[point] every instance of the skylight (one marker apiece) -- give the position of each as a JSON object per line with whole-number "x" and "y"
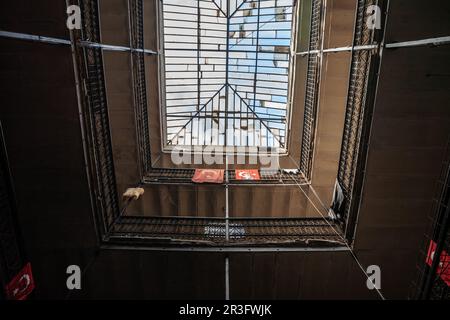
{"x": 226, "y": 72}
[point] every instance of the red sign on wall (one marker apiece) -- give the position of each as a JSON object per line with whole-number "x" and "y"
{"x": 21, "y": 285}
{"x": 247, "y": 175}
{"x": 443, "y": 269}
{"x": 208, "y": 176}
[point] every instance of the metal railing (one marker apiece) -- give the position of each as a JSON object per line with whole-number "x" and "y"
{"x": 184, "y": 176}
{"x": 92, "y": 73}
{"x": 213, "y": 231}
{"x": 312, "y": 89}
{"x": 357, "y": 114}
{"x": 139, "y": 83}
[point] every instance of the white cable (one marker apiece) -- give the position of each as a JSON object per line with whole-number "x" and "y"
{"x": 339, "y": 235}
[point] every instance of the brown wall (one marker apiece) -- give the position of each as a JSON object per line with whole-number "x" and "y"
{"x": 330, "y": 125}
{"x": 293, "y": 276}
{"x": 411, "y": 128}
{"x": 333, "y": 89}
{"x": 39, "y": 113}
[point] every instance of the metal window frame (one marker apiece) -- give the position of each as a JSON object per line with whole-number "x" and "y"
{"x": 166, "y": 147}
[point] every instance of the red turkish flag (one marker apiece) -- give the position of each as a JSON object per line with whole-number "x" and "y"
{"x": 443, "y": 269}
{"x": 208, "y": 176}
{"x": 21, "y": 285}
{"x": 247, "y": 175}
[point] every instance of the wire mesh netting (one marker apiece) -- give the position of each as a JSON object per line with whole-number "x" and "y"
{"x": 177, "y": 176}
{"x": 239, "y": 231}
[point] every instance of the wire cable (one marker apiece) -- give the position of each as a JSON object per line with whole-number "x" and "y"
{"x": 336, "y": 231}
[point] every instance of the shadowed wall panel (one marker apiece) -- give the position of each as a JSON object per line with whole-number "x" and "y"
{"x": 122, "y": 118}
{"x": 331, "y": 114}
{"x": 413, "y": 20}
{"x": 301, "y": 275}
{"x": 339, "y": 28}
{"x": 339, "y": 24}
{"x": 44, "y": 17}
{"x": 277, "y": 202}
{"x": 114, "y": 22}
{"x": 182, "y": 201}
{"x": 411, "y": 127}
{"x": 39, "y": 113}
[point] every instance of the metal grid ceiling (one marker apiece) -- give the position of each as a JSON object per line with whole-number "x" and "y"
{"x": 226, "y": 69}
